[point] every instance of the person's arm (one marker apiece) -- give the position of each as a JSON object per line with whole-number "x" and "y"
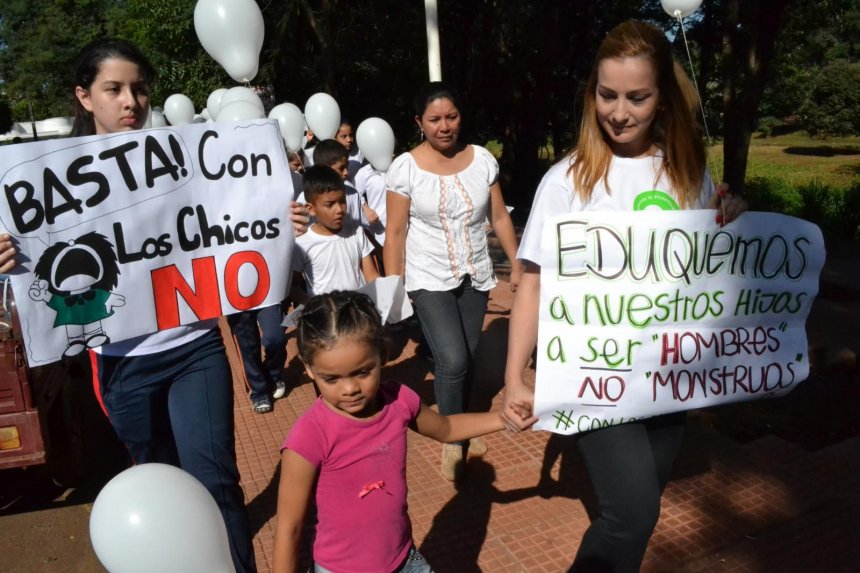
{"x": 500, "y": 219}
{"x": 294, "y": 492}
{"x": 369, "y": 214}
{"x": 456, "y": 427}
{"x": 368, "y": 269}
{"x": 518, "y": 400}
{"x": 7, "y": 253}
{"x": 397, "y": 209}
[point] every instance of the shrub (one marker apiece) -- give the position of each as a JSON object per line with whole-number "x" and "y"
{"x": 773, "y": 195}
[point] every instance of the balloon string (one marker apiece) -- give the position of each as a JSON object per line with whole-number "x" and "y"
{"x": 699, "y": 93}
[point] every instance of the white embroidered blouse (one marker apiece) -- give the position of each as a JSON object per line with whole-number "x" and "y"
{"x": 446, "y": 238}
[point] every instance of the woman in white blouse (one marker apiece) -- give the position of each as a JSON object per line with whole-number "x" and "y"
{"x": 440, "y": 196}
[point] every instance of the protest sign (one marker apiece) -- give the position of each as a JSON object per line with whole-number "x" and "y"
{"x": 646, "y": 316}
{"x": 126, "y": 234}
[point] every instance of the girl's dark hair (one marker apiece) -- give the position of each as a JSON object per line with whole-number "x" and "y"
{"x": 330, "y": 317}
{"x": 89, "y": 62}
{"x": 431, "y": 92}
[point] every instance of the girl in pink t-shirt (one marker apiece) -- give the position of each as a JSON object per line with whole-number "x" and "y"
{"x": 352, "y": 442}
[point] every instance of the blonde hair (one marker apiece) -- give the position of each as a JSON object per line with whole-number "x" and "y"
{"x": 675, "y": 130}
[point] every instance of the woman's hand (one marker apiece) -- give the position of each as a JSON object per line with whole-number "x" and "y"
{"x": 300, "y": 217}
{"x": 729, "y": 205}
{"x": 517, "y": 406}
{"x": 516, "y": 274}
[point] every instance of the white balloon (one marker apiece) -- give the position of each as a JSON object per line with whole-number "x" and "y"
{"x": 239, "y": 111}
{"x": 157, "y": 118}
{"x": 680, "y": 8}
{"x": 156, "y": 517}
{"x": 240, "y": 93}
{"x": 291, "y": 123}
{"x": 213, "y": 102}
{"x": 323, "y": 115}
{"x": 375, "y": 139}
{"x": 231, "y": 31}
{"x": 205, "y": 114}
{"x": 178, "y": 109}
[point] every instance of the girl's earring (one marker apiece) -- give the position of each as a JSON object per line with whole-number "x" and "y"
{"x": 421, "y": 137}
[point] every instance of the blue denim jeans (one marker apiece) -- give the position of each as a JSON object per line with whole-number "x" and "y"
{"x": 451, "y": 322}
{"x": 260, "y": 373}
{"x": 176, "y": 407}
{"x": 414, "y": 563}
{"x": 629, "y": 466}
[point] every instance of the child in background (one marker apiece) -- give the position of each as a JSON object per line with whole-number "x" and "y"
{"x": 346, "y": 136}
{"x": 263, "y": 376}
{"x": 352, "y": 444}
{"x": 296, "y": 160}
{"x": 331, "y": 255}
{"x": 370, "y": 185}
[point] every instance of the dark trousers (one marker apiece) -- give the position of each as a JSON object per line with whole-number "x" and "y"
{"x": 176, "y": 407}
{"x": 451, "y": 322}
{"x": 260, "y": 373}
{"x": 629, "y": 466}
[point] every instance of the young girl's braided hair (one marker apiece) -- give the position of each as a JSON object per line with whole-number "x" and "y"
{"x": 333, "y": 316}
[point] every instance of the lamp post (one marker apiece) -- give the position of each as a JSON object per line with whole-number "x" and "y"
{"x": 434, "y": 59}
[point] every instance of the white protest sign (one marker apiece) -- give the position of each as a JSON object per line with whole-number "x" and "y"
{"x": 127, "y": 234}
{"x": 641, "y": 316}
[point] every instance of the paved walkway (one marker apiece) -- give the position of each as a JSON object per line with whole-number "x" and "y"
{"x": 767, "y": 505}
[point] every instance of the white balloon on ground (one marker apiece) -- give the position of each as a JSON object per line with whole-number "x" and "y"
{"x": 240, "y": 93}
{"x": 178, "y": 109}
{"x": 156, "y": 119}
{"x": 156, "y": 517}
{"x": 375, "y": 139}
{"x": 231, "y": 31}
{"x": 323, "y": 115}
{"x": 680, "y": 8}
{"x": 239, "y": 111}
{"x": 205, "y": 114}
{"x": 213, "y": 102}
{"x": 291, "y": 122}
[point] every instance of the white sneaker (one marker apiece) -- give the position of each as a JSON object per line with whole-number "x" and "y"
{"x": 280, "y": 390}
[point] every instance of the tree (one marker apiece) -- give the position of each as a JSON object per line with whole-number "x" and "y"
{"x": 5, "y": 117}
{"x": 833, "y": 107}
{"x": 40, "y": 40}
{"x": 749, "y": 39}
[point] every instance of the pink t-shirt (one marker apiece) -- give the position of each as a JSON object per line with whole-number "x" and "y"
{"x": 362, "y": 520}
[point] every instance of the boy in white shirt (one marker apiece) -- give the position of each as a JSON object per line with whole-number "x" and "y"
{"x": 331, "y": 255}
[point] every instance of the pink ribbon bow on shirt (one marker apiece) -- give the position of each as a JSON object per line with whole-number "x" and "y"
{"x": 370, "y": 487}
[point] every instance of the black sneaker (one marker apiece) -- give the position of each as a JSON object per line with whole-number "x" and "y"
{"x": 262, "y": 405}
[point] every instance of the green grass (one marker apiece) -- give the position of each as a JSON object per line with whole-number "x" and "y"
{"x": 797, "y": 159}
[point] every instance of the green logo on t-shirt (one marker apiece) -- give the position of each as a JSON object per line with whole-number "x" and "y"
{"x": 656, "y": 199}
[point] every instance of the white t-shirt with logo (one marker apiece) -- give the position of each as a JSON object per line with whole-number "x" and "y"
{"x": 634, "y": 187}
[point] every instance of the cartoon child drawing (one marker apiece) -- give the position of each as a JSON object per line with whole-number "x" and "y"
{"x": 75, "y": 279}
